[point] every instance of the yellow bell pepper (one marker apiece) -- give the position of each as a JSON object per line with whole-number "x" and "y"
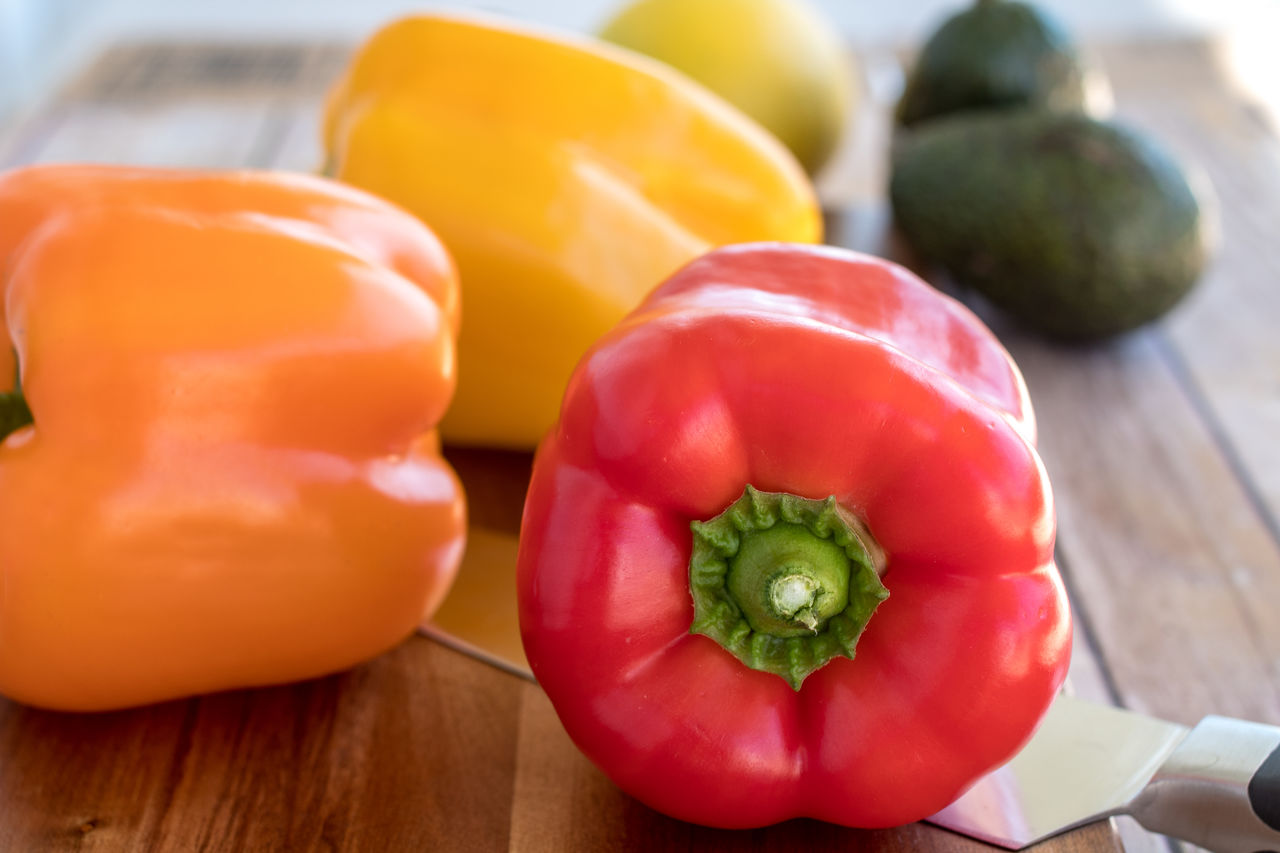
{"x": 567, "y": 177}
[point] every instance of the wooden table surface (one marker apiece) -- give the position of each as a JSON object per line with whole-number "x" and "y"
{"x": 1162, "y": 448}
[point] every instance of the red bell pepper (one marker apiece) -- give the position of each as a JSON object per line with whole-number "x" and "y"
{"x": 784, "y": 446}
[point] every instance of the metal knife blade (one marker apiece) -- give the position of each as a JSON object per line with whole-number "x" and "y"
{"x": 1216, "y": 785}
{"x": 479, "y": 616}
{"x": 1085, "y": 763}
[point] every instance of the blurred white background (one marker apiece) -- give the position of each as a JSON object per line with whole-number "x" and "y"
{"x": 41, "y": 41}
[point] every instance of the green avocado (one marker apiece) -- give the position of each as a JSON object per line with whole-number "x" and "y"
{"x": 996, "y": 53}
{"x": 1080, "y": 228}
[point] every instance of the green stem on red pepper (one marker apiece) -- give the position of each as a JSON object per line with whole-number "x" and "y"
{"x": 784, "y": 583}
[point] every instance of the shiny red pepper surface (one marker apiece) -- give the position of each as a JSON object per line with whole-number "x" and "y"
{"x": 846, "y": 382}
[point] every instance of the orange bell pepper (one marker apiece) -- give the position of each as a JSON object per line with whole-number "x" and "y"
{"x": 231, "y": 475}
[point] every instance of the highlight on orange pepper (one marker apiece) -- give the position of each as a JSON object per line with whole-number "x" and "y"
{"x": 230, "y": 475}
{"x": 567, "y": 176}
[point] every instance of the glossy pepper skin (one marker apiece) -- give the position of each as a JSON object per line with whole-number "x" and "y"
{"x": 231, "y": 477}
{"x": 568, "y": 177}
{"x": 828, "y": 376}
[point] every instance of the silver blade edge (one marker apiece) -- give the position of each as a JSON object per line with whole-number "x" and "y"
{"x": 1085, "y": 763}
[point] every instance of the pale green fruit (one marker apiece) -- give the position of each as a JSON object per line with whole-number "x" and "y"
{"x": 778, "y": 61}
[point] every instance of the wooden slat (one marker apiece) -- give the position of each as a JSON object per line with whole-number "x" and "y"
{"x": 171, "y": 134}
{"x": 1180, "y": 577}
{"x": 1225, "y": 338}
{"x": 414, "y": 751}
{"x": 195, "y": 71}
{"x": 201, "y": 105}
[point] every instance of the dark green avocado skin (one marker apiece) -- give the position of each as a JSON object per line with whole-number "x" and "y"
{"x": 1080, "y": 228}
{"x": 994, "y": 54}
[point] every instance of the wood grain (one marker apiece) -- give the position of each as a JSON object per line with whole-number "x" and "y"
{"x": 1223, "y": 344}
{"x": 422, "y": 749}
{"x": 413, "y": 751}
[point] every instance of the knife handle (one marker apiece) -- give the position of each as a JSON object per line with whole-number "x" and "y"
{"x": 1219, "y": 788}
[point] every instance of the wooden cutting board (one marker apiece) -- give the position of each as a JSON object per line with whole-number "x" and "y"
{"x": 423, "y": 748}
{"x": 1161, "y": 448}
